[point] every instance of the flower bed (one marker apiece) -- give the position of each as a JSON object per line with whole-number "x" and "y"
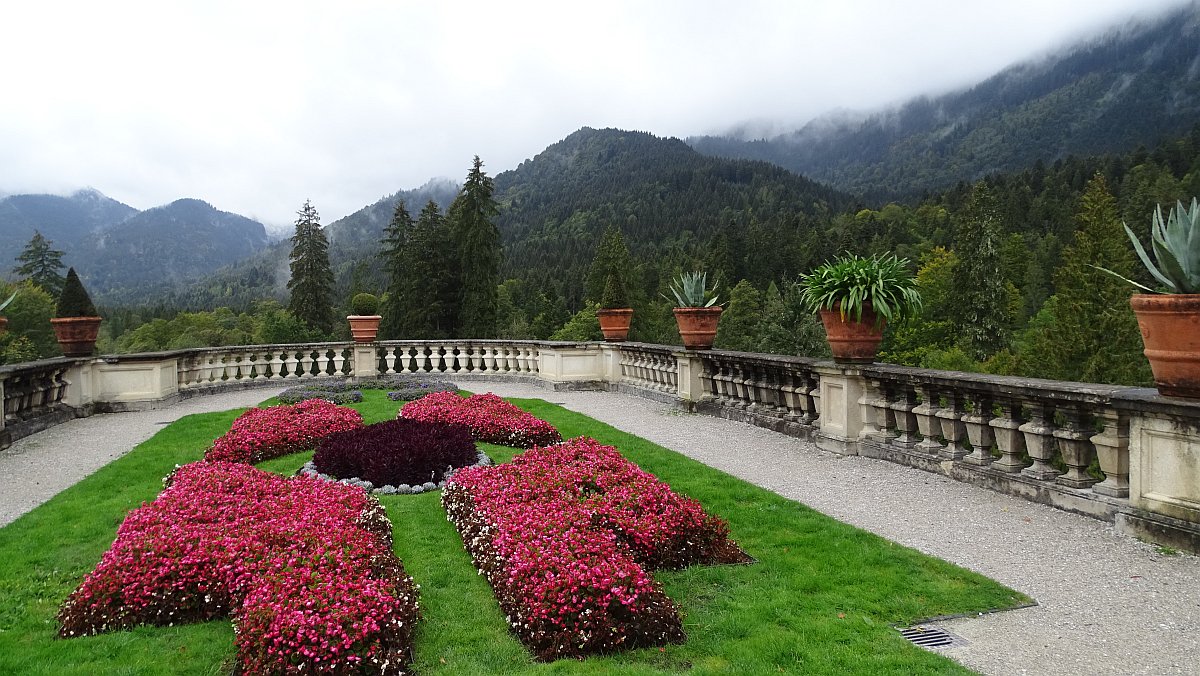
{"x": 264, "y": 433}
{"x": 304, "y": 567}
{"x": 415, "y": 389}
{"x": 565, "y": 534}
{"x": 394, "y": 452}
{"x": 491, "y": 419}
{"x": 344, "y": 391}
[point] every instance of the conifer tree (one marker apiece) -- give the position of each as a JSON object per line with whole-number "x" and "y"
{"x": 397, "y": 257}
{"x": 424, "y": 292}
{"x": 311, "y": 284}
{"x": 612, "y": 259}
{"x": 42, "y": 265}
{"x": 478, "y": 242}
{"x": 1090, "y": 333}
{"x": 982, "y": 299}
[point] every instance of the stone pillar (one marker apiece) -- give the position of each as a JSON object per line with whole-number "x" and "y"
{"x": 1164, "y": 485}
{"x": 610, "y": 363}
{"x": 841, "y": 417}
{"x": 365, "y": 365}
{"x": 690, "y": 376}
{"x": 80, "y": 385}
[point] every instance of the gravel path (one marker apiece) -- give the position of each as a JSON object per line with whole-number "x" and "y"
{"x": 81, "y": 446}
{"x": 1108, "y": 604}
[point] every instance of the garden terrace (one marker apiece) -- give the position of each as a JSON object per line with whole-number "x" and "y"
{"x": 1123, "y": 455}
{"x": 1106, "y": 603}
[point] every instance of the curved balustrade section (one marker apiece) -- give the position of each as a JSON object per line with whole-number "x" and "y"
{"x": 780, "y": 393}
{"x": 33, "y": 395}
{"x": 649, "y": 367}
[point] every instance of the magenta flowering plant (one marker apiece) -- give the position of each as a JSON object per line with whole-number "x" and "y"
{"x": 490, "y": 419}
{"x": 264, "y": 433}
{"x": 565, "y": 534}
{"x": 304, "y": 567}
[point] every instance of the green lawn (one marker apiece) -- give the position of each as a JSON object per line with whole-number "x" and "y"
{"x": 821, "y": 599}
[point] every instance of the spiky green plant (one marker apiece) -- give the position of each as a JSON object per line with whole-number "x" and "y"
{"x": 850, "y": 282}
{"x": 691, "y": 290}
{"x": 10, "y": 299}
{"x": 1176, "y": 246}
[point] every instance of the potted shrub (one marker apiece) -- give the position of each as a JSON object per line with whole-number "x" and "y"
{"x": 614, "y": 314}
{"x": 856, "y": 297}
{"x": 696, "y": 310}
{"x": 1170, "y": 319}
{"x": 3, "y": 319}
{"x": 364, "y": 317}
{"x": 76, "y": 322}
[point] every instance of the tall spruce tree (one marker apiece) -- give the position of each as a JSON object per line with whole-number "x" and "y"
{"x": 42, "y": 265}
{"x": 1089, "y": 333}
{"x": 478, "y": 242}
{"x": 982, "y": 299}
{"x": 425, "y": 286}
{"x": 311, "y": 284}
{"x": 612, "y": 259}
{"x": 397, "y": 257}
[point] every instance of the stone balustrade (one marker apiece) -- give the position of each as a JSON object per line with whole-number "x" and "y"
{"x": 1125, "y": 455}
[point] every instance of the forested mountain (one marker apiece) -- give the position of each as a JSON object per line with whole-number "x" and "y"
{"x": 668, "y": 200}
{"x": 66, "y": 221}
{"x": 1139, "y": 84}
{"x": 178, "y": 243}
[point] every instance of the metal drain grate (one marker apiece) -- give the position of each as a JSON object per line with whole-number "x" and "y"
{"x": 932, "y": 637}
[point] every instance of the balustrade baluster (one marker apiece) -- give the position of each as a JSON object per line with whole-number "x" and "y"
{"x": 1039, "y": 441}
{"x": 277, "y": 358}
{"x": 1009, "y": 438}
{"x": 1076, "y": 448}
{"x": 979, "y": 429}
{"x": 927, "y": 419}
{"x": 953, "y": 429}
{"x": 885, "y": 417}
{"x": 1112, "y": 449}
{"x": 389, "y": 360}
{"x": 340, "y": 360}
{"x": 906, "y": 420}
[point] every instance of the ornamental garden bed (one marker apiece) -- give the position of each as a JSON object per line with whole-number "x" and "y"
{"x": 490, "y": 418}
{"x": 822, "y": 597}
{"x": 567, "y": 534}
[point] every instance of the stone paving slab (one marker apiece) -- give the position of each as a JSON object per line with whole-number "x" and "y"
{"x": 1108, "y": 604}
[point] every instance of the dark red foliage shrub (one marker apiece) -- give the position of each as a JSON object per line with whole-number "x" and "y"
{"x": 304, "y": 567}
{"x": 491, "y": 419}
{"x": 565, "y": 533}
{"x": 396, "y": 452}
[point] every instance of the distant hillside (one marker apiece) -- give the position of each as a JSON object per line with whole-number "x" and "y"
{"x": 66, "y": 221}
{"x": 176, "y": 243}
{"x": 1138, "y": 84}
{"x": 353, "y": 243}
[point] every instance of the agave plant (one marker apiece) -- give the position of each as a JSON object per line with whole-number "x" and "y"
{"x": 1176, "y": 247}
{"x": 851, "y": 282}
{"x": 10, "y": 299}
{"x": 691, "y": 290}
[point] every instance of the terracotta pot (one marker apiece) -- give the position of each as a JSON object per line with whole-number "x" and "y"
{"x": 1170, "y": 325}
{"x": 3, "y": 325}
{"x": 853, "y": 342}
{"x": 614, "y": 322}
{"x": 364, "y": 328}
{"x": 76, "y": 335}
{"x": 698, "y": 326}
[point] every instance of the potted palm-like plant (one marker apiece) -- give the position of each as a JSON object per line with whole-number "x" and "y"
{"x": 1170, "y": 319}
{"x": 696, "y": 310}
{"x": 364, "y": 317}
{"x": 76, "y": 322}
{"x": 614, "y": 314}
{"x": 856, "y": 297}
{"x": 3, "y": 319}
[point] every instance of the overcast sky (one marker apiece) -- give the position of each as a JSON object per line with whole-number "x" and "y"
{"x": 256, "y": 106}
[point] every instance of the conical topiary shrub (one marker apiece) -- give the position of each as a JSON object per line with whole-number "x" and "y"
{"x": 76, "y": 322}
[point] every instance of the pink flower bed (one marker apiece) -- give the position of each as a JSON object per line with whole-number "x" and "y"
{"x": 304, "y": 567}
{"x": 264, "y": 433}
{"x": 565, "y": 534}
{"x": 491, "y": 419}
